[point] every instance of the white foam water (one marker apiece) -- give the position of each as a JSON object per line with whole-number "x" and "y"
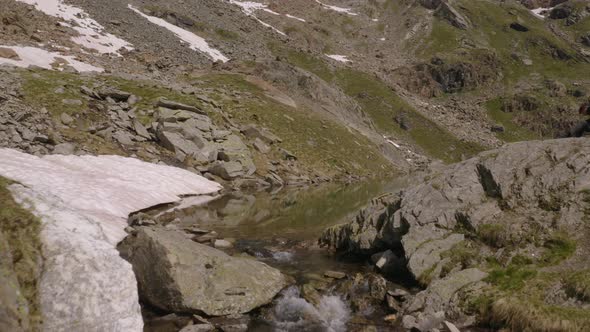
{"x": 293, "y": 313}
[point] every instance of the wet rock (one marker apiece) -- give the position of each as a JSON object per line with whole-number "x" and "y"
{"x": 198, "y": 328}
{"x": 211, "y": 236}
{"x": 310, "y": 294}
{"x": 222, "y": 244}
{"x": 170, "y": 322}
{"x": 335, "y": 274}
{"x": 163, "y": 102}
{"x": 178, "y": 275}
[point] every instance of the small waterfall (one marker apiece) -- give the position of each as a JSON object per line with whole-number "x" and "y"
{"x": 293, "y": 313}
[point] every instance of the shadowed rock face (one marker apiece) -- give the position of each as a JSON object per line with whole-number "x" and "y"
{"x": 179, "y": 275}
{"x": 538, "y": 180}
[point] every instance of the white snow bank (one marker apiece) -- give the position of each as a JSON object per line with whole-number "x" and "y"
{"x": 250, "y": 7}
{"x": 83, "y": 203}
{"x": 32, "y": 56}
{"x": 92, "y": 35}
{"x": 195, "y": 42}
{"x": 337, "y": 9}
{"x": 295, "y": 18}
{"x": 339, "y": 58}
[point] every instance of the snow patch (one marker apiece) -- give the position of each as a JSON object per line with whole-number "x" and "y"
{"x": 33, "y": 56}
{"x": 293, "y": 313}
{"x": 340, "y": 58}
{"x": 195, "y": 42}
{"x": 250, "y": 7}
{"x": 394, "y": 144}
{"x": 295, "y": 17}
{"x": 539, "y": 12}
{"x": 83, "y": 203}
{"x": 347, "y": 11}
{"x": 269, "y": 26}
{"x": 92, "y": 34}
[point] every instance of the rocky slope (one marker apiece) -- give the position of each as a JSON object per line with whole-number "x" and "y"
{"x": 496, "y": 237}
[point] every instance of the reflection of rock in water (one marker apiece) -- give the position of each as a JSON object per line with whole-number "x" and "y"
{"x": 293, "y": 313}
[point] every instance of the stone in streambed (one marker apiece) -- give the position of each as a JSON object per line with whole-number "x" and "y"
{"x": 179, "y": 275}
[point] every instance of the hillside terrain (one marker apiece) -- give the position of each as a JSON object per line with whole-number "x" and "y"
{"x": 269, "y": 95}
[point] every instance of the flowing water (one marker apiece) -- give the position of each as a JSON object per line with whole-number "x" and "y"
{"x": 282, "y": 229}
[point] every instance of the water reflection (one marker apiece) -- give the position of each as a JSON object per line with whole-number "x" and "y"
{"x": 291, "y": 214}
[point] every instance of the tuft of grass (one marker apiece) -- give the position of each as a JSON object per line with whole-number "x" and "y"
{"x": 21, "y": 230}
{"x": 227, "y": 35}
{"x": 464, "y": 255}
{"x": 494, "y": 235}
{"x": 557, "y": 249}
{"x": 511, "y": 278}
{"x": 577, "y": 285}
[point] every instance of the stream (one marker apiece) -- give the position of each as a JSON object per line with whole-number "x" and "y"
{"x": 282, "y": 229}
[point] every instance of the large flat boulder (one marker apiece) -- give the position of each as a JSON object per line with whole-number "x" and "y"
{"x": 179, "y": 275}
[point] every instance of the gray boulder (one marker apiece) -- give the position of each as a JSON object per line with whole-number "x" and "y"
{"x": 176, "y": 274}
{"x": 253, "y": 132}
{"x": 227, "y": 170}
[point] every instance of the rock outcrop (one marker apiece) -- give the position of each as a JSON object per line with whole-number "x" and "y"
{"x": 179, "y": 275}
{"x": 522, "y": 190}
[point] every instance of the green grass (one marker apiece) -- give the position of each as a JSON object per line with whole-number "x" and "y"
{"x": 511, "y": 278}
{"x": 39, "y": 91}
{"x": 317, "y": 142}
{"x": 512, "y": 131}
{"x": 494, "y": 235}
{"x": 491, "y": 30}
{"x": 382, "y": 105}
{"x": 22, "y": 229}
{"x": 557, "y": 249}
{"x": 227, "y": 35}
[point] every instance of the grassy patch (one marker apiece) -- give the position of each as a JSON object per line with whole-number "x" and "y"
{"x": 382, "y": 105}
{"x": 512, "y": 131}
{"x": 494, "y": 235}
{"x": 577, "y": 285}
{"x": 463, "y": 255}
{"x": 557, "y": 249}
{"x": 511, "y": 278}
{"x": 39, "y": 89}
{"x": 317, "y": 142}
{"x": 227, "y": 35}
{"x": 22, "y": 229}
